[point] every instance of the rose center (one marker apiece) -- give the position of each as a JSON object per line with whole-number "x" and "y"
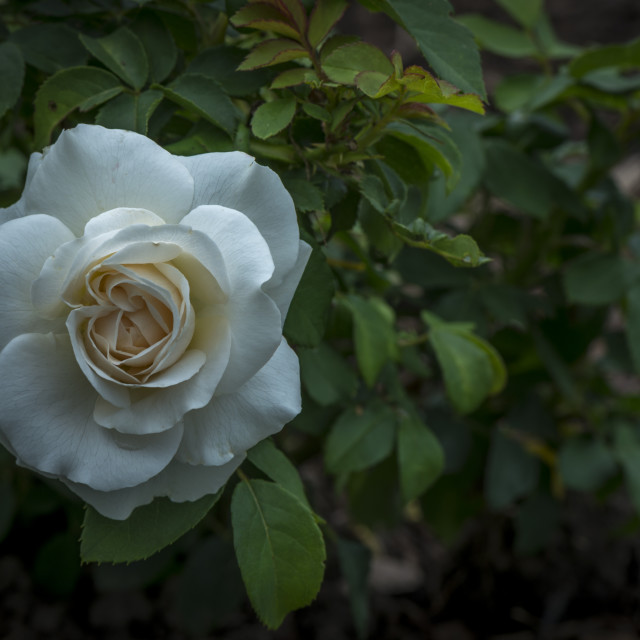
{"x": 137, "y": 319}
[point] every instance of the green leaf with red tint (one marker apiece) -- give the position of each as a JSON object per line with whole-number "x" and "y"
{"x": 273, "y": 52}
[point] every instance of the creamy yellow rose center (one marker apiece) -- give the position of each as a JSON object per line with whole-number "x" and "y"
{"x": 140, "y": 321}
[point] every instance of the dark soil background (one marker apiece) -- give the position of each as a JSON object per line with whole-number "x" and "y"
{"x": 586, "y": 586}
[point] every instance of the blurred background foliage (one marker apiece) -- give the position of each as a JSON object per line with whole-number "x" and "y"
{"x": 470, "y": 432}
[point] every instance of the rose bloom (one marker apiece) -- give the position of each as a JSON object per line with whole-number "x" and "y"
{"x": 142, "y": 299}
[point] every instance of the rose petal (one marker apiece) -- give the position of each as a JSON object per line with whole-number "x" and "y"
{"x": 46, "y": 291}
{"x": 64, "y": 272}
{"x": 235, "y": 180}
{"x": 254, "y": 318}
{"x": 47, "y": 407}
{"x": 282, "y": 293}
{"x": 119, "y": 218}
{"x": 25, "y": 244}
{"x": 150, "y": 241}
{"x": 180, "y": 482}
{"x": 156, "y": 410}
{"x": 90, "y": 170}
{"x": 233, "y": 423}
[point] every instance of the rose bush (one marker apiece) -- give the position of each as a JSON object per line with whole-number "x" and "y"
{"x": 143, "y": 299}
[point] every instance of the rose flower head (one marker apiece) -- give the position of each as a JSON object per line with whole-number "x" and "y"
{"x": 142, "y": 299}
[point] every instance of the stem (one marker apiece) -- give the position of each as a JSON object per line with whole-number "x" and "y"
{"x": 368, "y": 137}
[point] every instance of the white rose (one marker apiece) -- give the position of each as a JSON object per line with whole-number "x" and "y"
{"x": 142, "y": 298}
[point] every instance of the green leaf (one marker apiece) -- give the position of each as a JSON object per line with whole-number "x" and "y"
{"x": 267, "y": 17}
{"x": 326, "y": 376}
{"x": 433, "y": 144}
{"x": 130, "y": 111}
{"x": 526, "y": 12}
{"x": 203, "y": 138}
{"x": 511, "y": 472}
{"x": 279, "y": 548}
{"x": 275, "y": 464}
{"x": 122, "y": 53}
{"x": 324, "y": 16}
{"x": 309, "y": 311}
{"x": 596, "y": 279}
{"x": 203, "y": 97}
{"x": 316, "y": 111}
{"x": 471, "y": 372}
{"x": 549, "y": 43}
{"x": 372, "y": 188}
{"x": 220, "y": 64}
{"x": 604, "y": 149}
{"x": 517, "y": 91}
{"x": 12, "y": 74}
{"x": 344, "y": 63}
{"x": 626, "y": 445}
{"x": 158, "y": 43}
{"x": 306, "y": 195}
{"x": 623, "y": 56}
{"x": 273, "y": 52}
{"x": 499, "y": 38}
{"x": 497, "y": 364}
{"x": 633, "y": 325}
{"x": 612, "y": 80}
{"x": 376, "y": 227}
{"x": 404, "y": 159}
{"x": 50, "y": 47}
{"x": 272, "y": 117}
{"x": 355, "y": 563}
{"x": 67, "y": 90}
{"x": 448, "y": 46}
{"x": 100, "y": 98}
{"x": 441, "y": 205}
{"x": 585, "y": 463}
{"x": 523, "y": 181}
{"x": 425, "y": 89}
{"x": 146, "y": 531}
{"x": 374, "y": 335}
{"x": 420, "y": 457}
{"x": 461, "y": 250}
{"x": 360, "y": 438}
{"x": 293, "y": 77}
{"x": 13, "y": 166}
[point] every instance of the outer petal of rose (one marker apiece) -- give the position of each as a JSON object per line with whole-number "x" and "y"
{"x": 66, "y": 269}
{"x": 47, "y": 408}
{"x": 235, "y": 180}
{"x": 282, "y": 294}
{"x": 254, "y": 319}
{"x": 91, "y": 169}
{"x": 157, "y": 410}
{"x": 119, "y": 218}
{"x": 25, "y": 244}
{"x": 233, "y": 423}
{"x": 17, "y": 210}
{"x": 179, "y": 481}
